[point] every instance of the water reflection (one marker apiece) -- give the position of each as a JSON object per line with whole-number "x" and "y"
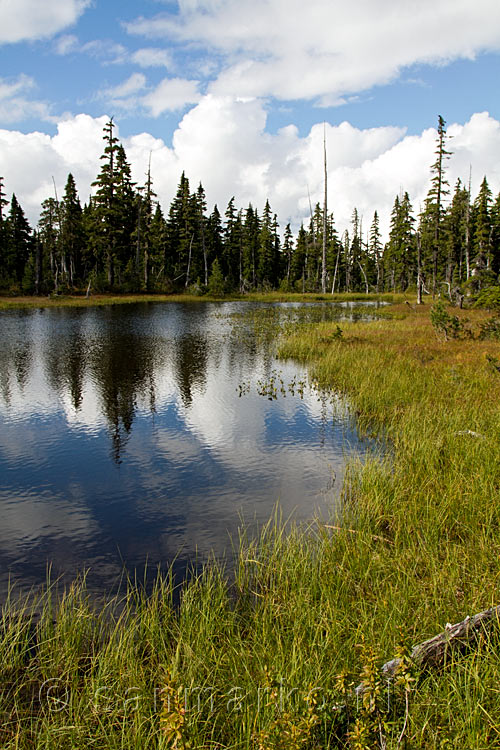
{"x": 125, "y": 437}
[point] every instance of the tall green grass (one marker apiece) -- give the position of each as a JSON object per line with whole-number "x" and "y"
{"x": 270, "y": 660}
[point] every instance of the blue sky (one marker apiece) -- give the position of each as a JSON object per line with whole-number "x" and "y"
{"x": 236, "y": 93}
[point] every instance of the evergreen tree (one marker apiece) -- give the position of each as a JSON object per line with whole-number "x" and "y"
{"x": 105, "y": 225}
{"x": 18, "y": 243}
{"x": 299, "y": 259}
{"x": 268, "y": 249}
{"x": 251, "y": 231}
{"x": 216, "y": 285}
{"x": 495, "y": 235}
{"x": 455, "y": 221}
{"x": 3, "y": 238}
{"x": 141, "y": 236}
{"x": 482, "y": 238}
{"x": 213, "y": 236}
{"x": 71, "y": 238}
{"x": 181, "y": 229}
{"x": 201, "y": 207}
{"x": 231, "y": 261}
{"x": 399, "y": 255}
{"x": 375, "y": 251}
{"x": 439, "y": 189}
{"x": 288, "y": 251}
{"x": 353, "y": 255}
{"x": 157, "y": 243}
{"x": 48, "y": 235}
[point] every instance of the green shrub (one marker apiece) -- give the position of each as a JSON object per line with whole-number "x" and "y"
{"x": 490, "y": 329}
{"x": 445, "y": 325}
{"x": 489, "y": 298}
{"x": 216, "y": 285}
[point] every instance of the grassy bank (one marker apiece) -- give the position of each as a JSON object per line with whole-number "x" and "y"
{"x": 124, "y": 299}
{"x": 271, "y": 662}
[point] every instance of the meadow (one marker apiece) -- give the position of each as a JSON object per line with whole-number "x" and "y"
{"x": 271, "y": 659}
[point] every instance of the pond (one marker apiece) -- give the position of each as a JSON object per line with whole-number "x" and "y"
{"x": 138, "y": 436}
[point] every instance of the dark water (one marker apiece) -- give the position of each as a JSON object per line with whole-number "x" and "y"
{"x": 136, "y": 435}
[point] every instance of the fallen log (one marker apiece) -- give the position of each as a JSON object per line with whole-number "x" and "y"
{"x": 434, "y": 652}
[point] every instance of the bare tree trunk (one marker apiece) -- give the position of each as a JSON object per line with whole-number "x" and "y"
{"x": 364, "y": 276}
{"x": 325, "y": 204}
{"x": 467, "y": 230}
{"x": 419, "y": 269}
{"x": 146, "y": 266}
{"x": 189, "y": 262}
{"x": 38, "y": 265}
{"x": 335, "y": 272}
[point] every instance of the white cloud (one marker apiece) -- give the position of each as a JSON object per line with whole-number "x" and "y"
{"x": 324, "y": 48}
{"x": 30, "y": 160}
{"x": 125, "y": 96}
{"x": 222, "y": 142}
{"x": 15, "y": 106}
{"x": 105, "y": 50}
{"x": 152, "y": 57}
{"x": 134, "y": 83}
{"x": 36, "y": 19}
{"x": 66, "y": 43}
{"x": 170, "y": 95}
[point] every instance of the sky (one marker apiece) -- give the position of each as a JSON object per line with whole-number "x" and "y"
{"x": 239, "y": 94}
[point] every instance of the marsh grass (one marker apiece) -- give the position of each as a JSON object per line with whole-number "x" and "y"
{"x": 97, "y": 300}
{"x": 271, "y": 660}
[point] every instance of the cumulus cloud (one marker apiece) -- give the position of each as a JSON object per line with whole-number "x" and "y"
{"x": 29, "y": 161}
{"x": 222, "y": 142}
{"x": 33, "y": 19}
{"x": 325, "y": 49}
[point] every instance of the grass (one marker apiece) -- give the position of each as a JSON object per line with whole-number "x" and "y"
{"x": 123, "y": 299}
{"x": 270, "y": 661}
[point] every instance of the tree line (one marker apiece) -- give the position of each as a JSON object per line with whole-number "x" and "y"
{"x": 121, "y": 240}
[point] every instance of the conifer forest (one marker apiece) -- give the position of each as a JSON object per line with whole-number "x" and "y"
{"x": 122, "y": 240}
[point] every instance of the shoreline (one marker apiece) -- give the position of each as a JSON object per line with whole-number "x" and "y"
{"x": 123, "y": 299}
{"x": 314, "y": 610}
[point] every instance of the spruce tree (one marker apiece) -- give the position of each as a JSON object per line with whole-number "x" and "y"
{"x": 181, "y": 229}
{"x": 267, "y": 262}
{"x": 399, "y": 255}
{"x": 18, "y": 243}
{"x": 251, "y": 230}
{"x": 495, "y": 235}
{"x": 482, "y": 227}
{"x": 298, "y": 261}
{"x": 105, "y": 209}
{"x": 375, "y": 251}
{"x": 288, "y": 251}
{"x": 201, "y": 207}
{"x": 213, "y": 236}
{"x": 455, "y": 221}
{"x": 439, "y": 189}
{"x": 71, "y": 239}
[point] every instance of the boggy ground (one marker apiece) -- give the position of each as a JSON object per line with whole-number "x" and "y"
{"x": 80, "y": 300}
{"x": 271, "y": 661}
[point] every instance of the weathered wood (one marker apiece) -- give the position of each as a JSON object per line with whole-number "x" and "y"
{"x": 434, "y": 652}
